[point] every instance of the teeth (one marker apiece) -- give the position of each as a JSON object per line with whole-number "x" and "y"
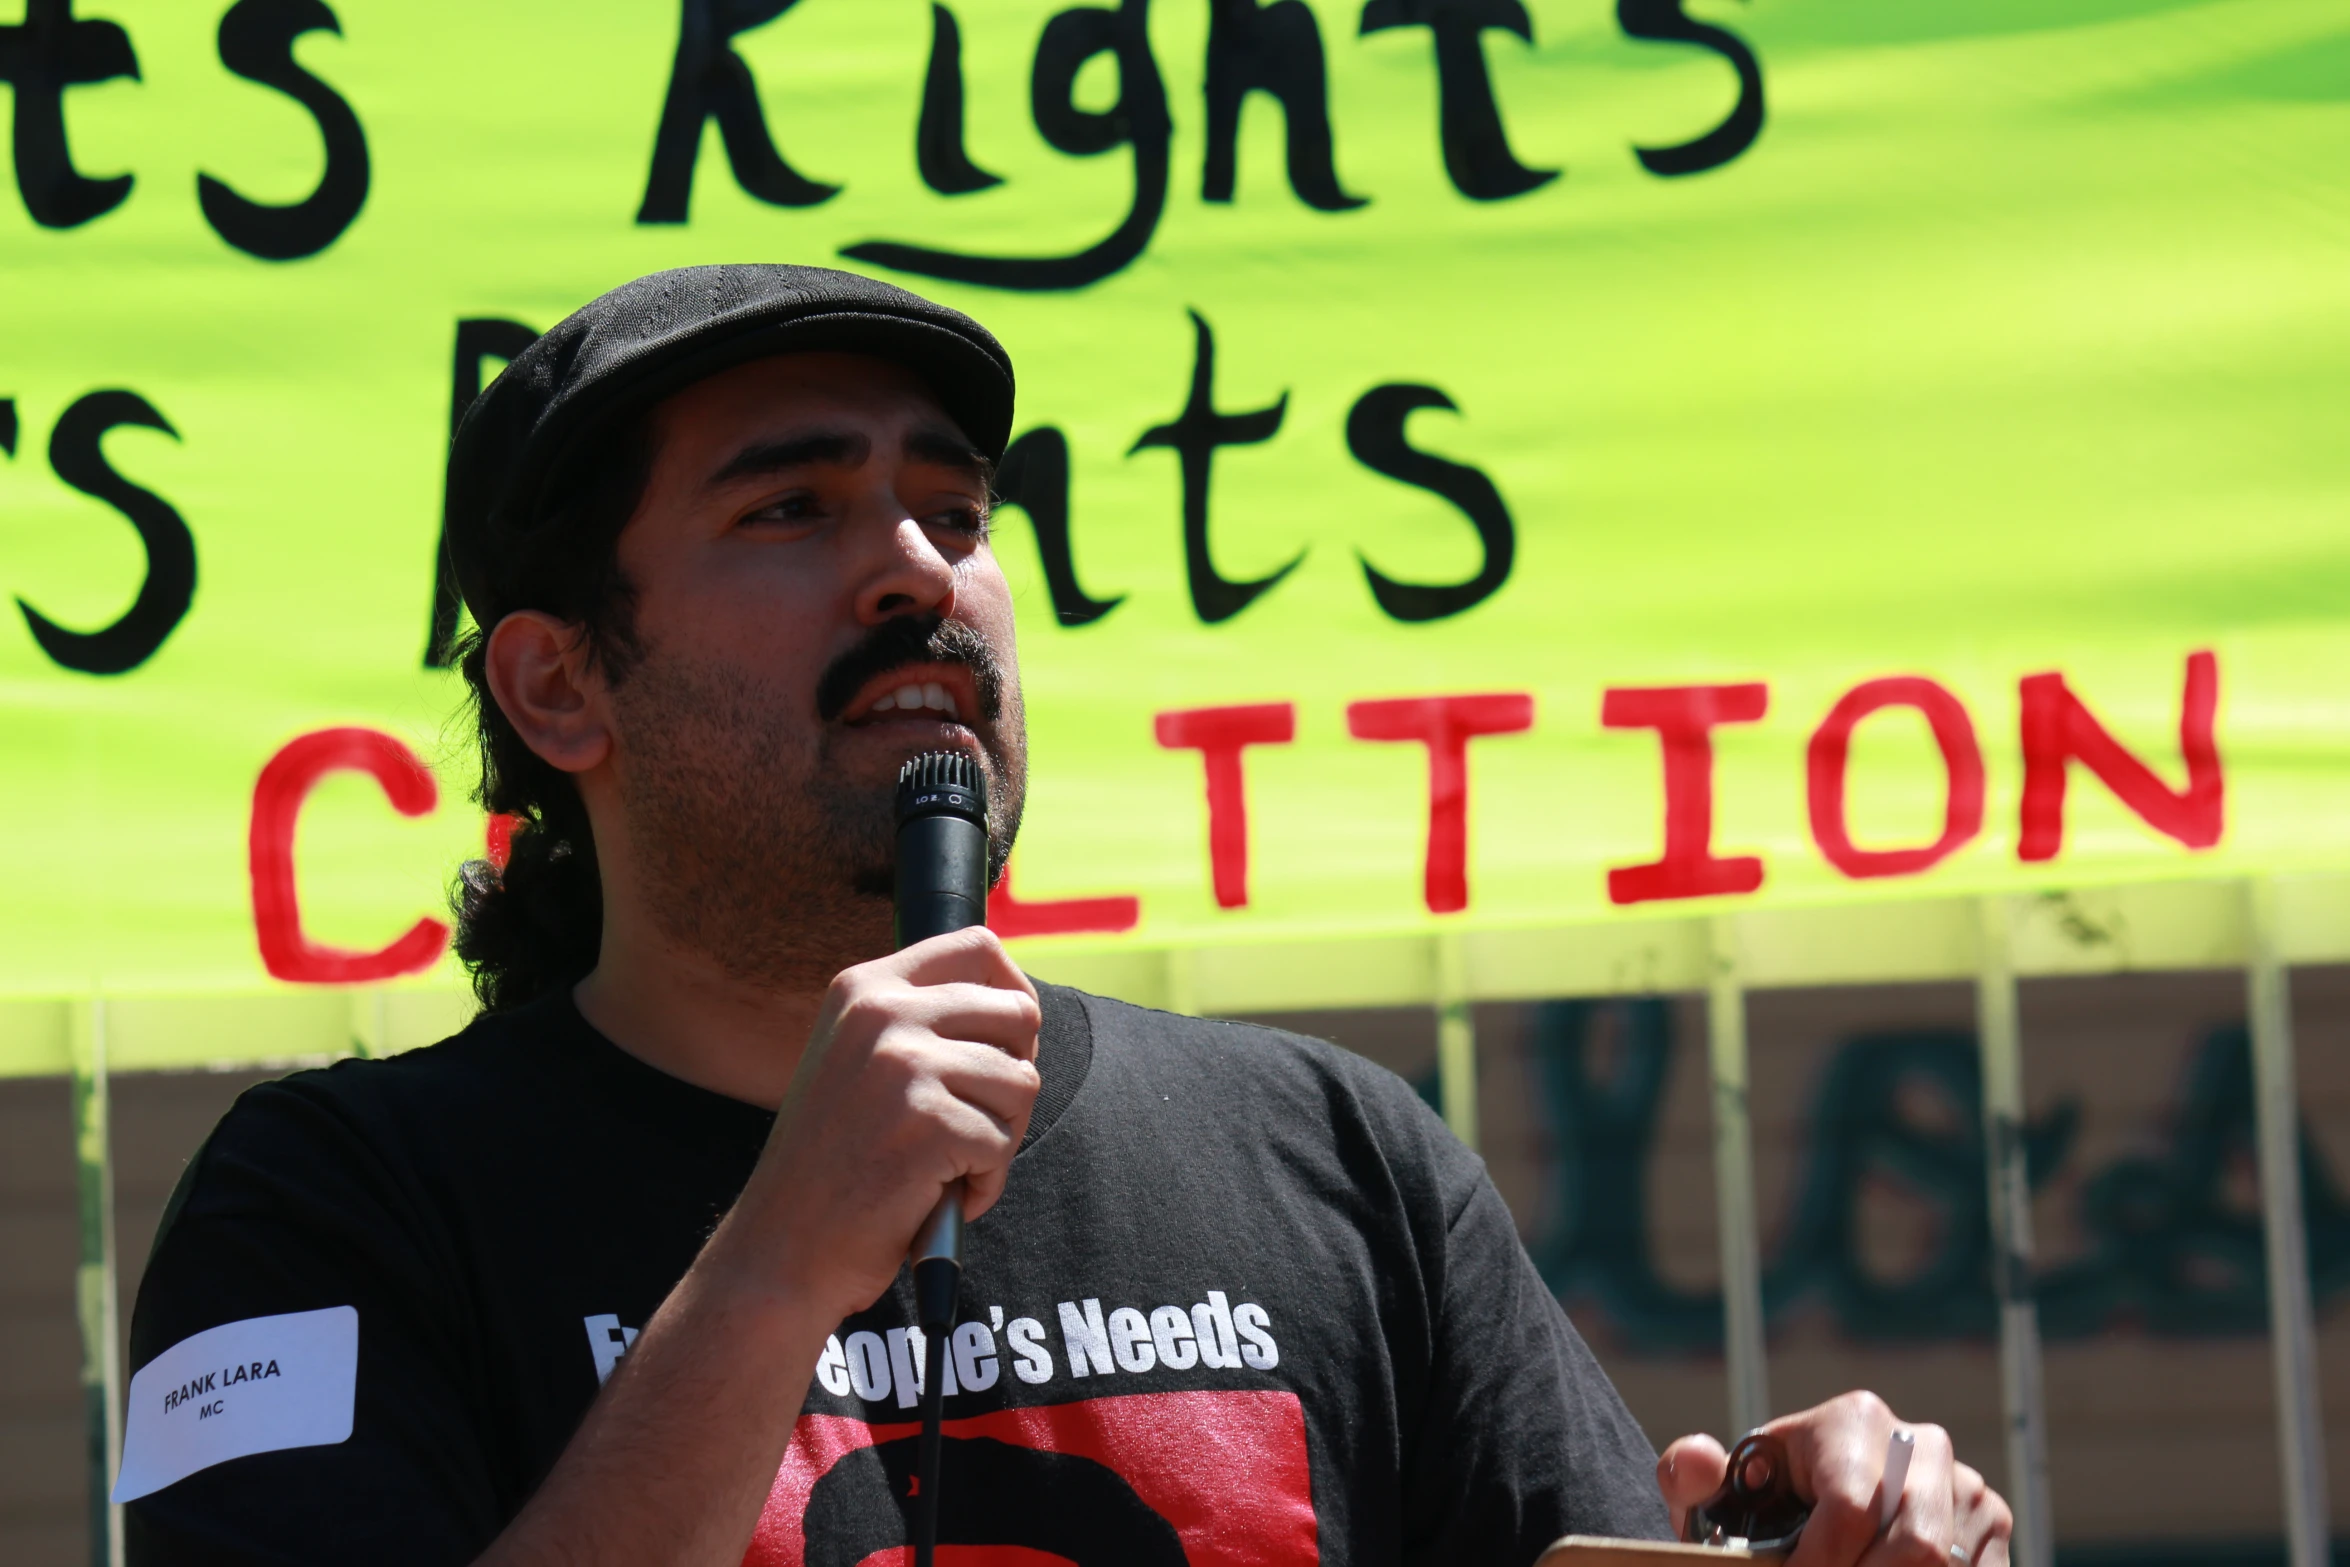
{"x": 914, "y": 699}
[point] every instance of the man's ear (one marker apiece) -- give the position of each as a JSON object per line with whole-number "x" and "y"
{"x": 541, "y": 676}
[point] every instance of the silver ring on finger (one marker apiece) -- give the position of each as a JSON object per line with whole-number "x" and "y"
{"x": 1959, "y": 1553}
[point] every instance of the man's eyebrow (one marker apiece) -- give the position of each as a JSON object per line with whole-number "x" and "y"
{"x": 948, "y": 450}
{"x": 832, "y": 448}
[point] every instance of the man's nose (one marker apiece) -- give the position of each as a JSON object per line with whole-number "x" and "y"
{"x": 905, "y": 575}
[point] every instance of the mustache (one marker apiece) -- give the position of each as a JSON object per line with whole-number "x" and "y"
{"x": 912, "y": 639}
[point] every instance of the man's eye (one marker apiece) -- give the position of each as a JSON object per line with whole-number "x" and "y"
{"x": 789, "y": 508}
{"x": 967, "y": 520}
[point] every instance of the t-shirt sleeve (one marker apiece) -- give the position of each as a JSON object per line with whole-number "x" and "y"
{"x": 1523, "y": 1438}
{"x": 300, "y": 1393}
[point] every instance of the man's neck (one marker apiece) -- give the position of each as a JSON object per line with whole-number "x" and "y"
{"x": 680, "y": 1013}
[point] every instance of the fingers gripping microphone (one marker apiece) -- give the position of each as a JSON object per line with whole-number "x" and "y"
{"x": 941, "y": 886}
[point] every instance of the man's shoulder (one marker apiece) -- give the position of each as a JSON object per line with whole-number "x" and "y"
{"x": 1218, "y": 1036}
{"x": 1276, "y": 1068}
{"x": 370, "y": 1110}
{"x": 494, "y": 1058}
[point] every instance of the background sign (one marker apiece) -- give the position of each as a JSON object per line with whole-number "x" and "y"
{"x": 1480, "y": 464}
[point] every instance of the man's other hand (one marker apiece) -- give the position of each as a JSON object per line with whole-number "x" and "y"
{"x": 1947, "y": 1516}
{"x": 920, "y": 1071}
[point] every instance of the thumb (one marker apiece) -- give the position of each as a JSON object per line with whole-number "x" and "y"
{"x": 1688, "y": 1472}
{"x": 981, "y": 1188}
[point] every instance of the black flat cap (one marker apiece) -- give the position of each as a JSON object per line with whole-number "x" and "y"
{"x": 618, "y": 355}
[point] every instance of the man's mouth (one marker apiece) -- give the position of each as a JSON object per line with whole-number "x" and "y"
{"x": 909, "y": 670}
{"x": 936, "y": 692}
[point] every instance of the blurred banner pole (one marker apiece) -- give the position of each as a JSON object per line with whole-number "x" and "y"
{"x": 2022, "y": 1397}
{"x": 2300, "y": 1435}
{"x": 94, "y": 1283}
{"x": 1734, "y": 1216}
{"x": 1456, "y": 1041}
{"x": 1182, "y": 969}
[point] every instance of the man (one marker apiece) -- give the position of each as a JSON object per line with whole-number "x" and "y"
{"x": 614, "y": 1276}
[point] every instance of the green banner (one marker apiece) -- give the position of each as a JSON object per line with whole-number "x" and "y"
{"x": 1480, "y": 464}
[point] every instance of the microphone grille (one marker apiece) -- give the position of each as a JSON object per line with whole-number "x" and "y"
{"x": 942, "y": 783}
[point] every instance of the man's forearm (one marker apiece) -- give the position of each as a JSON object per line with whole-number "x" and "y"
{"x": 678, "y": 1452}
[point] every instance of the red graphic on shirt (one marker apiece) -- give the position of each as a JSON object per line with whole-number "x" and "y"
{"x": 1204, "y": 1479}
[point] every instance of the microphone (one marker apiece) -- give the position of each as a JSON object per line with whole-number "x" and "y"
{"x": 941, "y": 886}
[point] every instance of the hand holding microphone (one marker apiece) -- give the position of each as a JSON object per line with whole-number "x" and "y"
{"x": 919, "y": 1070}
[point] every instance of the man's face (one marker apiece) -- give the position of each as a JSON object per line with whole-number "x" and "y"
{"x": 815, "y": 601}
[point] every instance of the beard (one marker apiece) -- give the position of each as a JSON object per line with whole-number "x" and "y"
{"x": 752, "y": 847}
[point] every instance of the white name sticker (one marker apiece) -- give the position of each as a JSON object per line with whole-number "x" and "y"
{"x": 255, "y": 1386}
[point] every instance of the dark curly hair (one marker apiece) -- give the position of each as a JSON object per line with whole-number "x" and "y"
{"x": 536, "y": 925}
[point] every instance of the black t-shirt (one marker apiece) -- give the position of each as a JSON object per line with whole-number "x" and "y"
{"x": 1244, "y": 1300}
